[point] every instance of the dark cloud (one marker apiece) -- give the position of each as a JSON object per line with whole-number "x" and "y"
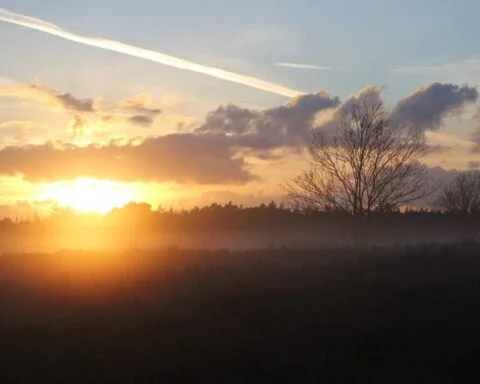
{"x": 140, "y": 104}
{"x": 142, "y": 120}
{"x": 77, "y": 126}
{"x": 369, "y": 95}
{"x": 183, "y": 158}
{"x": 428, "y": 106}
{"x": 135, "y": 110}
{"x": 144, "y": 115}
{"x": 297, "y": 116}
{"x": 436, "y": 149}
{"x": 230, "y": 119}
{"x": 287, "y": 125}
{"x": 441, "y": 175}
{"x": 54, "y": 98}
{"x": 425, "y": 109}
{"x": 475, "y": 134}
{"x": 68, "y": 101}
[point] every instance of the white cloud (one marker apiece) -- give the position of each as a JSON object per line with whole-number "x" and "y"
{"x": 303, "y": 66}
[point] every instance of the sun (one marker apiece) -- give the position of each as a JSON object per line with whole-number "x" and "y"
{"x": 86, "y": 195}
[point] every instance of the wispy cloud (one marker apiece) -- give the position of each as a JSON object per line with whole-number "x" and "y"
{"x": 303, "y": 66}
{"x": 161, "y": 58}
{"x": 448, "y": 140}
{"x": 64, "y": 101}
{"x": 472, "y": 63}
{"x": 455, "y": 71}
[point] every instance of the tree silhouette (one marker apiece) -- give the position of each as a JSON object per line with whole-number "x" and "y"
{"x": 462, "y": 195}
{"x": 366, "y": 165}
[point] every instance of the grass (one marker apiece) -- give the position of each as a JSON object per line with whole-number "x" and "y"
{"x": 404, "y": 315}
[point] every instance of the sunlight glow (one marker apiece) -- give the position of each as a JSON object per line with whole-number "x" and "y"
{"x": 88, "y": 195}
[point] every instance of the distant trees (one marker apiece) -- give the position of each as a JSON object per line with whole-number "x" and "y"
{"x": 462, "y": 195}
{"x": 365, "y": 165}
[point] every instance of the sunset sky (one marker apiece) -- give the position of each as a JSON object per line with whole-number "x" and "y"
{"x": 188, "y": 102}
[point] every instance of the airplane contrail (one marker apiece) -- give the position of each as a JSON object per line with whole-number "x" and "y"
{"x": 303, "y": 66}
{"x": 116, "y": 46}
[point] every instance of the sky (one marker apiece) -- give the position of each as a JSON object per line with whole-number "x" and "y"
{"x": 190, "y": 102}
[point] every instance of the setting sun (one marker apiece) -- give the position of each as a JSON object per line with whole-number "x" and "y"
{"x": 88, "y": 195}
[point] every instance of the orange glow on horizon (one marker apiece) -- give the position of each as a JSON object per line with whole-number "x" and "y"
{"x": 87, "y": 195}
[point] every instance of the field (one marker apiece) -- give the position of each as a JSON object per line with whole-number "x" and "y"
{"x": 403, "y": 315}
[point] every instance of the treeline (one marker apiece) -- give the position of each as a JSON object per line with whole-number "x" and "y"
{"x": 228, "y": 217}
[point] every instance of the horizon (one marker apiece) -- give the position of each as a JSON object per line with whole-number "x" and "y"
{"x": 105, "y": 105}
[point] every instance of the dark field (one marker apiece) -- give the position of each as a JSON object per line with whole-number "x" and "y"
{"x": 409, "y": 315}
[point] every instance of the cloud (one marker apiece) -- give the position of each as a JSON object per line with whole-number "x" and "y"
{"x": 142, "y": 120}
{"x": 56, "y": 99}
{"x": 464, "y": 71}
{"x": 426, "y": 108}
{"x": 213, "y": 153}
{"x": 329, "y": 119}
{"x": 18, "y": 126}
{"x": 18, "y": 131}
{"x": 70, "y": 102}
{"x": 447, "y": 140}
{"x": 220, "y": 149}
{"x": 303, "y": 66}
{"x": 161, "y": 58}
{"x": 139, "y": 104}
{"x": 184, "y": 158}
{"x": 429, "y": 105}
{"x": 297, "y": 116}
{"x": 286, "y": 125}
{"x": 78, "y": 126}
{"x": 135, "y": 110}
{"x": 468, "y": 68}
{"x": 475, "y": 134}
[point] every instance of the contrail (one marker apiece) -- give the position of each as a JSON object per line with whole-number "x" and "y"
{"x": 116, "y": 46}
{"x": 303, "y": 66}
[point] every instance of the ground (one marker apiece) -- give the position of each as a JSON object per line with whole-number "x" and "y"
{"x": 405, "y": 315}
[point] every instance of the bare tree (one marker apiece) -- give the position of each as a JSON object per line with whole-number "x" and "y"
{"x": 462, "y": 195}
{"x": 366, "y": 164}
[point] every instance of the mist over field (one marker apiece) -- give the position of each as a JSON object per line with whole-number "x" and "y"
{"x": 231, "y": 227}
{"x": 232, "y": 240}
